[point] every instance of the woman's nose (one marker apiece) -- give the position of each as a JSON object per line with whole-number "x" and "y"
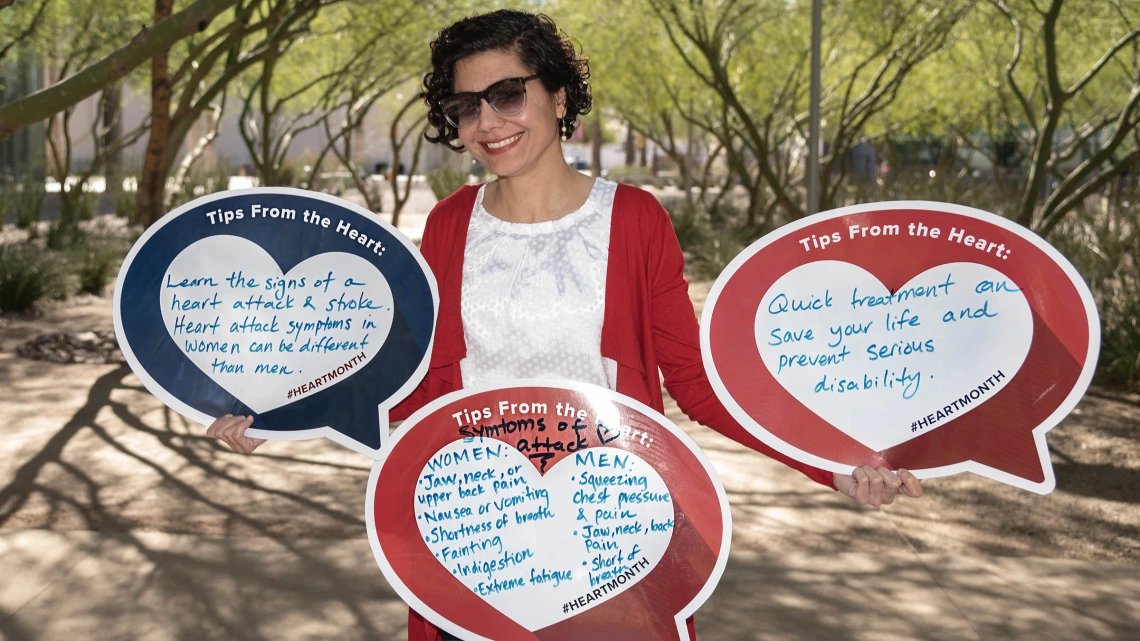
{"x": 489, "y": 119}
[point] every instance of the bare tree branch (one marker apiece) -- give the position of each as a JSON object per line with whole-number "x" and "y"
{"x": 1011, "y": 67}
{"x": 1096, "y": 68}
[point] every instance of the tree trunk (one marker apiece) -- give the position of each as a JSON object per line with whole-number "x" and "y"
{"x": 400, "y": 201}
{"x": 630, "y": 149}
{"x": 113, "y": 126}
{"x": 53, "y": 135}
{"x": 755, "y": 202}
{"x": 689, "y": 164}
{"x": 152, "y": 182}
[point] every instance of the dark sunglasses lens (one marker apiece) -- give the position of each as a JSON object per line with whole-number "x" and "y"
{"x": 507, "y": 97}
{"x": 461, "y": 112}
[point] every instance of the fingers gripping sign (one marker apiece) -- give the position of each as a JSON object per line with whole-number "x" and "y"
{"x": 231, "y": 430}
{"x": 877, "y": 486}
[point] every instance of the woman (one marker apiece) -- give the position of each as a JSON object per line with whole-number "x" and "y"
{"x": 548, "y": 273}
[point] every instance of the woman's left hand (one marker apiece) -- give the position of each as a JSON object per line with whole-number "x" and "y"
{"x": 877, "y": 485}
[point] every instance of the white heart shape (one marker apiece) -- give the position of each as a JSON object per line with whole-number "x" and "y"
{"x": 902, "y": 363}
{"x": 240, "y": 331}
{"x": 529, "y": 544}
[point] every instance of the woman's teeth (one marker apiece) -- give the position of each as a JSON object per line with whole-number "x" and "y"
{"x": 504, "y": 143}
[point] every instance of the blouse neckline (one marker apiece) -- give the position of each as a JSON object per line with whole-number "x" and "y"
{"x": 592, "y": 205}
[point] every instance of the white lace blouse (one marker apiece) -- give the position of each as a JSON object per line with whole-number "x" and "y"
{"x": 534, "y": 295}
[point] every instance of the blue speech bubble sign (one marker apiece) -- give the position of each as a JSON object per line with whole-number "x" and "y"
{"x": 301, "y": 309}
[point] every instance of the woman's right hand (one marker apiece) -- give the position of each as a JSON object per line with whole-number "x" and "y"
{"x": 231, "y": 430}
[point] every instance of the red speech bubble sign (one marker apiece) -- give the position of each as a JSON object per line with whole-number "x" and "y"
{"x": 916, "y": 335}
{"x": 550, "y": 511}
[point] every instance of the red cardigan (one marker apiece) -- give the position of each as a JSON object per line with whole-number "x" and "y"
{"x": 648, "y": 323}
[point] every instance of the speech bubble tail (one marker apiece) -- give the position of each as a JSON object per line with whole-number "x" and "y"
{"x": 685, "y": 628}
{"x": 384, "y": 426}
{"x": 1021, "y": 460}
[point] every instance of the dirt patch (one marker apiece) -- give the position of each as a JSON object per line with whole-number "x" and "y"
{"x": 73, "y": 347}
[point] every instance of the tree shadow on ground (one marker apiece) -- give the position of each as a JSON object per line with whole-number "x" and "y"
{"x": 61, "y": 487}
{"x": 856, "y": 597}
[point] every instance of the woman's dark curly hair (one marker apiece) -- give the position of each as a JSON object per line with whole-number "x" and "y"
{"x": 540, "y": 46}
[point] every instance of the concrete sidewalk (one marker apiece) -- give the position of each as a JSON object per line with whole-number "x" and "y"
{"x": 81, "y": 585}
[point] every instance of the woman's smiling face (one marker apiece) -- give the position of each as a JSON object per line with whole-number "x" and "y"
{"x": 509, "y": 145}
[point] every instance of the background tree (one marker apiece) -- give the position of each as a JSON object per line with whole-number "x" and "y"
{"x": 295, "y": 88}
{"x": 69, "y": 37}
{"x": 657, "y": 100}
{"x": 18, "y": 27}
{"x": 151, "y": 40}
{"x": 1070, "y": 91}
{"x": 752, "y": 56}
{"x": 203, "y": 68}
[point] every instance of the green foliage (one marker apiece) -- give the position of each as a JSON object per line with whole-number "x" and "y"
{"x": 22, "y": 197}
{"x": 127, "y": 207}
{"x": 64, "y": 234}
{"x": 1104, "y": 246}
{"x": 711, "y": 237}
{"x": 446, "y": 180}
{"x": 77, "y": 205}
{"x": 95, "y": 265}
{"x": 202, "y": 180}
{"x": 950, "y": 184}
{"x": 27, "y": 275}
{"x": 635, "y": 175}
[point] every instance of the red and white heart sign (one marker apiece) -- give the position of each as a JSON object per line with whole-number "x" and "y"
{"x": 915, "y": 335}
{"x": 548, "y": 511}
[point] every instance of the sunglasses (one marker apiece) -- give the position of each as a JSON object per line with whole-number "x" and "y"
{"x": 507, "y": 96}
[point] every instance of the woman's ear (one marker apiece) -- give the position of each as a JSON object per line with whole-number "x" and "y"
{"x": 560, "y": 103}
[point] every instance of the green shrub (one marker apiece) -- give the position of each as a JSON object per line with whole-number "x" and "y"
{"x": 445, "y": 180}
{"x": 7, "y": 199}
{"x": 629, "y": 174}
{"x": 28, "y": 195}
{"x": 711, "y": 238}
{"x": 127, "y": 207}
{"x": 1120, "y": 341}
{"x": 27, "y": 275}
{"x": 76, "y": 205}
{"x": 95, "y": 266}
{"x": 64, "y": 234}
{"x": 1104, "y": 246}
{"x": 689, "y": 221}
{"x": 946, "y": 186}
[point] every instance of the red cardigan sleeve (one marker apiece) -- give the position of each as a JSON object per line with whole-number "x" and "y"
{"x": 433, "y": 248}
{"x": 676, "y": 337}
